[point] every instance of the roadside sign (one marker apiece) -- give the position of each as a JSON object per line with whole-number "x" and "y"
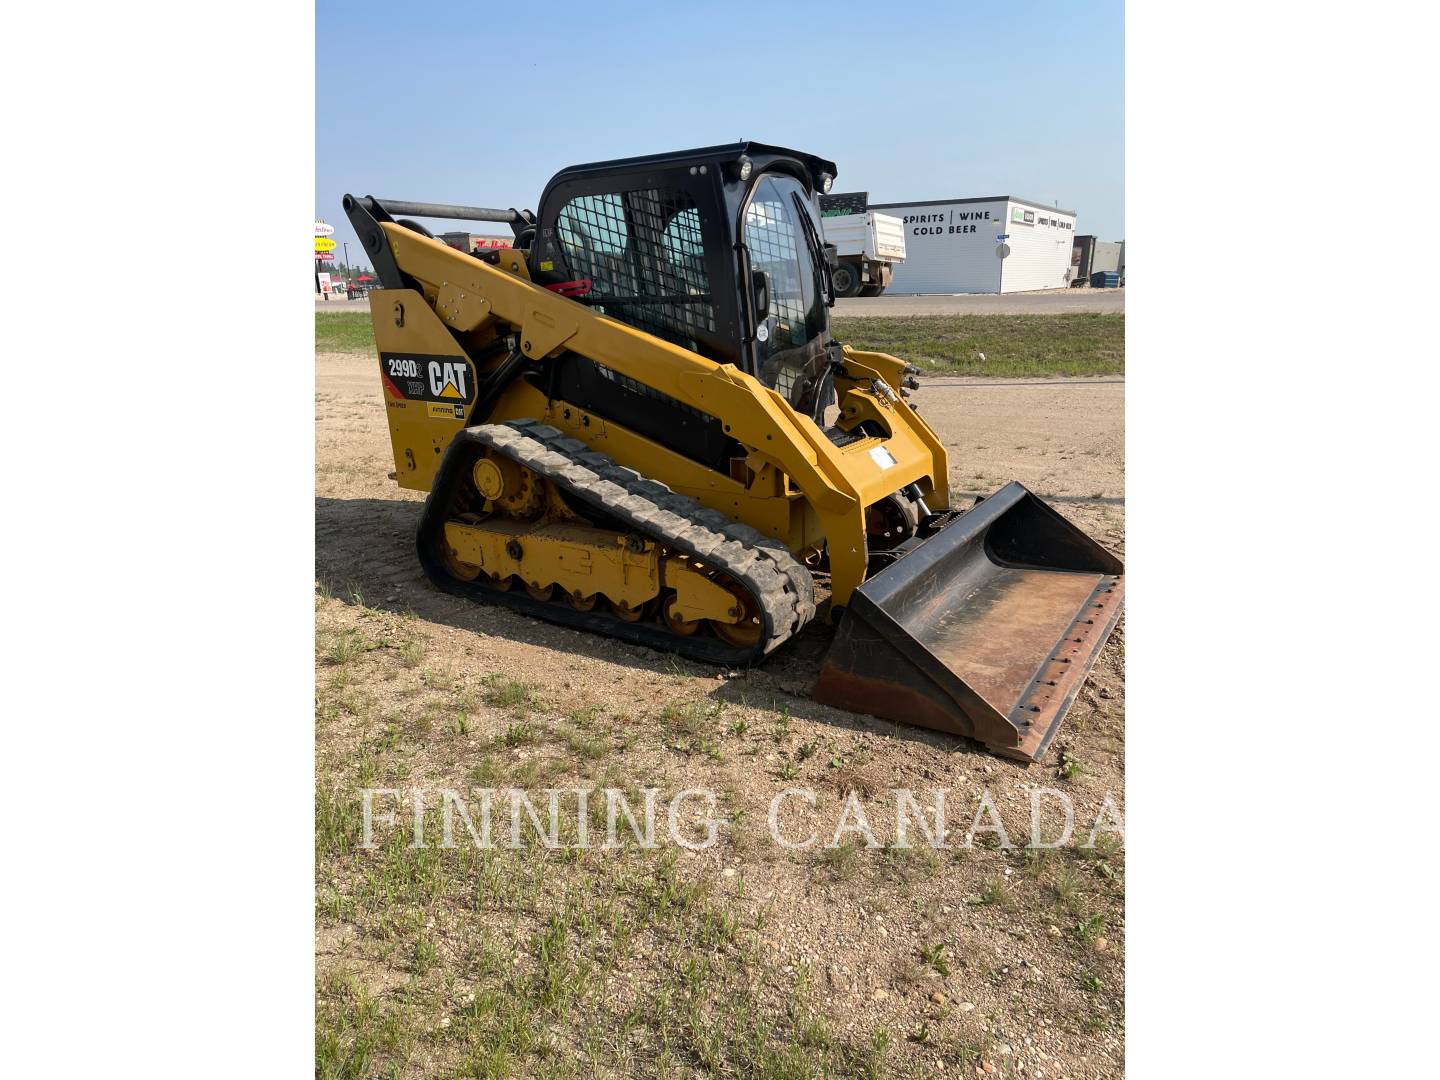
{"x": 321, "y": 229}
{"x": 322, "y": 244}
{"x": 324, "y": 256}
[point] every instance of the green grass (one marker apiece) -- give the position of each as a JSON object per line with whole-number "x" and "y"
{"x": 1088, "y": 929}
{"x": 344, "y": 332}
{"x": 412, "y": 653}
{"x": 347, "y": 645}
{"x": 995, "y": 891}
{"x": 503, "y": 692}
{"x": 934, "y": 955}
{"x": 1012, "y": 345}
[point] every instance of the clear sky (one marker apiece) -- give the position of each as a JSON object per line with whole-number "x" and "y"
{"x": 480, "y": 103}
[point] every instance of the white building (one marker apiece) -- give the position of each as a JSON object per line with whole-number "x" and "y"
{"x": 952, "y": 245}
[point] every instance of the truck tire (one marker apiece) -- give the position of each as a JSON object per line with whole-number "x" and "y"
{"x": 872, "y": 290}
{"x": 846, "y": 279}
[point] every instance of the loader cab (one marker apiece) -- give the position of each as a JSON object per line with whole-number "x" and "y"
{"x": 716, "y": 250}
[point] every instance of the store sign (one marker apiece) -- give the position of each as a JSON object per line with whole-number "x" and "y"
{"x": 322, "y": 244}
{"x": 1020, "y": 216}
{"x": 324, "y": 256}
{"x": 321, "y": 229}
{"x": 952, "y": 223}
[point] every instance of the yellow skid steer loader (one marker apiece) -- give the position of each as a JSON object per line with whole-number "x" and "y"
{"x": 634, "y": 421}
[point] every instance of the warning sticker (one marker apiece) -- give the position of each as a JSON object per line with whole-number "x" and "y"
{"x": 882, "y": 457}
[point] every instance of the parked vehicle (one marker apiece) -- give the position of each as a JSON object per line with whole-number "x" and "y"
{"x": 1091, "y": 256}
{"x": 867, "y": 244}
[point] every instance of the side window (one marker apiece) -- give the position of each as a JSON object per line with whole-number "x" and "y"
{"x": 595, "y": 239}
{"x": 645, "y": 257}
{"x": 684, "y": 251}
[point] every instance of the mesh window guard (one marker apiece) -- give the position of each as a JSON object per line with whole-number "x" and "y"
{"x": 644, "y": 254}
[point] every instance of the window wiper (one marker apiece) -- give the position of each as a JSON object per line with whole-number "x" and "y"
{"x": 817, "y": 255}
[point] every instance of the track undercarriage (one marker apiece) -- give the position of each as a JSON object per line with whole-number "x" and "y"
{"x": 524, "y": 517}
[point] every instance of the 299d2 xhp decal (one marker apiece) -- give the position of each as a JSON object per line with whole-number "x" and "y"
{"x": 447, "y": 381}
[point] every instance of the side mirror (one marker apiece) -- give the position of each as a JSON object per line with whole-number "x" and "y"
{"x": 760, "y": 287}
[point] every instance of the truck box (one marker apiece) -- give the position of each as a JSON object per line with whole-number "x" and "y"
{"x": 867, "y": 247}
{"x": 868, "y": 236}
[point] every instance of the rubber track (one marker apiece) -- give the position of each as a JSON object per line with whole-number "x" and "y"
{"x": 782, "y": 588}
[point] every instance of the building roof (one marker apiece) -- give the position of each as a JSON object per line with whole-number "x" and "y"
{"x": 979, "y": 199}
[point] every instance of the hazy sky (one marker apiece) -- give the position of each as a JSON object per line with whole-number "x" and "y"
{"x": 480, "y": 103}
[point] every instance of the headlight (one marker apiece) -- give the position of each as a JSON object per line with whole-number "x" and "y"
{"x": 826, "y": 181}
{"x": 743, "y": 168}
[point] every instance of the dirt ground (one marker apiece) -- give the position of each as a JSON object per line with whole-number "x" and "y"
{"x": 826, "y": 961}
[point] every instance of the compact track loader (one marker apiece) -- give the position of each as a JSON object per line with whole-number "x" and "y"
{"x": 634, "y": 421}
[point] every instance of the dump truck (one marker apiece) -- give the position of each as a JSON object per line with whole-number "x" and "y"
{"x": 636, "y": 422}
{"x": 868, "y": 245}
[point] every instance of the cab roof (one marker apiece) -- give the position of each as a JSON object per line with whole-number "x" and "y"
{"x": 761, "y": 153}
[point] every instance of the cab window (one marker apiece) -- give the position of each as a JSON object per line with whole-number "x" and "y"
{"x": 788, "y": 348}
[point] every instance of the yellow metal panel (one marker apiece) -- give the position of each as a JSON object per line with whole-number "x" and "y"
{"x": 836, "y": 483}
{"x": 589, "y": 562}
{"x": 697, "y": 597}
{"x": 865, "y": 364}
{"x": 461, "y": 309}
{"x": 409, "y": 338}
{"x": 542, "y": 332}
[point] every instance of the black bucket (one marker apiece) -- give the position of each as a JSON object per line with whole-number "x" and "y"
{"x": 986, "y": 629}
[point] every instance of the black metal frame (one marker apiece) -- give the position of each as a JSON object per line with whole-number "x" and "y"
{"x": 721, "y": 197}
{"x": 718, "y": 192}
{"x": 366, "y": 212}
